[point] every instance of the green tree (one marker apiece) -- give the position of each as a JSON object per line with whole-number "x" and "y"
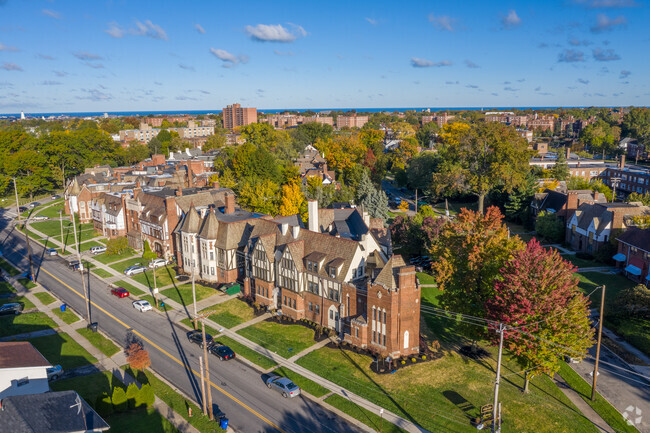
{"x": 538, "y": 299}
{"x": 576, "y": 182}
{"x": 259, "y": 134}
{"x": 467, "y": 258}
{"x": 216, "y": 141}
{"x": 311, "y": 132}
{"x": 427, "y": 134}
{"x": 549, "y": 226}
{"x": 634, "y": 302}
{"x": 147, "y": 253}
{"x": 601, "y": 137}
{"x": 119, "y": 400}
{"x": 104, "y": 405}
{"x": 560, "y": 170}
{"x": 479, "y": 157}
{"x": 131, "y": 394}
{"x": 365, "y": 187}
{"x": 117, "y": 246}
{"x": 517, "y": 205}
{"x": 260, "y": 196}
{"x": 643, "y": 198}
{"x": 420, "y": 170}
{"x": 145, "y": 397}
{"x": 376, "y": 204}
{"x": 636, "y": 124}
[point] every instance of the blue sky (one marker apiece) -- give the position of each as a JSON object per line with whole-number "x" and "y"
{"x": 65, "y": 56}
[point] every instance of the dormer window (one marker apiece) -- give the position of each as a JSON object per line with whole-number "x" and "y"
{"x": 332, "y": 272}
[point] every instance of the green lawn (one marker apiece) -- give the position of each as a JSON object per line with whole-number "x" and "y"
{"x": 8, "y": 268}
{"x": 426, "y": 278}
{"x": 600, "y": 405}
{"x": 90, "y": 386}
{"x": 140, "y": 420}
{"x": 581, "y": 263}
{"x": 208, "y": 329}
{"x": 45, "y": 298}
{"x": 370, "y": 419}
{"x": 130, "y": 287}
{"x": 121, "y": 266}
{"x": 52, "y": 210}
{"x": 64, "y": 350}
{"x": 27, "y": 283}
{"x": 106, "y": 346}
{"x": 23, "y": 323}
{"x": 244, "y": 352}
{"x": 101, "y": 273}
{"x": 285, "y": 340}
{"x": 6, "y": 287}
{"x": 151, "y": 300}
{"x": 615, "y": 283}
{"x": 634, "y": 330}
{"x": 178, "y": 403}
{"x": 53, "y": 228}
{"x": 68, "y": 316}
{"x": 443, "y": 395}
{"x": 88, "y": 245}
{"x": 305, "y": 384}
{"x": 111, "y": 258}
{"x": 230, "y": 313}
{"x": 164, "y": 277}
{"x": 183, "y": 294}
{"x": 27, "y": 304}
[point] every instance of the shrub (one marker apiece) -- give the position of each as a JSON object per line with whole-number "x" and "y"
{"x": 413, "y": 360}
{"x": 131, "y": 394}
{"x": 145, "y": 396}
{"x": 424, "y": 357}
{"x": 103, "y": 405}
{"x": 119, "y": 399}
{"x": 403, "y": 362}
{"x": 117, "y": 246}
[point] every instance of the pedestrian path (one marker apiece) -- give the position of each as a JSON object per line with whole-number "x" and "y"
{"x": 582, "y": 405}
{"x": 27, "y": 335}
{"x": 311, "y": 348}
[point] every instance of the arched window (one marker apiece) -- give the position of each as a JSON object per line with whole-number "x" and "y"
{"x": 406, "y": 339}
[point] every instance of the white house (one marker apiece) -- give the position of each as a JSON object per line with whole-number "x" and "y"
{"x": 23, "y": 370}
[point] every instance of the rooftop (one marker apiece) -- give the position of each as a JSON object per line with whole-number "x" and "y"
{"x": 20, "y": 354}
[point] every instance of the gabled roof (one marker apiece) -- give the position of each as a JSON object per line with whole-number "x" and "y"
{"x": 387, "y": 275}
{"x": 191, "y": 221}
{"x": 639, "y": 238}
{"x": 19, "y": 354}
{"x": 59, "y": 412}
{"x": 210, "y": 227}
{"x": 297, "y": 251}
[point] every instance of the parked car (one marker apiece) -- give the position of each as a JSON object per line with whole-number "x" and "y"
{"x": 40, "y": 218}
{"x": 135, "y": 269}
{"x": 13, "y": 308}
{"x": 157, "y": 263}
{"x": 56, "y": 196}
{"x": 76, "y": 265}
{"x": 22, "y": 208}
{"x": 51, "y": 252}
{"x": 283, "y": 385}
{"x": 97, "y": 250}
{"x": 53, "y": 373}
{"x": 120, "y": 292}
{"x": 33, "y": 205}
{"x": 221, "y": 351}
{"x": 142, "y": 306}
{"x": 197, "y": 338}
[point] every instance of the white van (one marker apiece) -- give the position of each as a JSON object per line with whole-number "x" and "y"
{"x": 97, "y": 250}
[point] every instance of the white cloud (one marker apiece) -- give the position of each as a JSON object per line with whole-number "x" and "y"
{"x": 511, "y": 20}
{"x": 7, "y": 66}
{"x": 442, "y": 22}
{"x": 4, "y": 47}
{"x": 571, "y": 56}
{"x": 83, "y": 55}
{"x": 199, "y": 28}
{"x": 605, "y": 23}
{"x": 417, "y": 62}
{"x": 146, "y": 28}
{"x": 471, "y": 64}
{"x": 371, "y": 21}
{"x": 229, "y": 59}
{"x": 52, "y": 14}
{"x": 275, "y": 33}
{"x": 605, "y": 55}
{"x": 115, "y": 30}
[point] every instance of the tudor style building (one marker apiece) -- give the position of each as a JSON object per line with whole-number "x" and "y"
{"x": 336, "y": 274}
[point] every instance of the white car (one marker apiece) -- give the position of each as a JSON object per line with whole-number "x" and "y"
{"x": 53, "y": 373}
{"x": 97, "y": 250}
{"x": 142, "y": 306}
{"x": 135, "y": 269}
{"x": 158, "y": 263}
{"x": 40, "y": 218}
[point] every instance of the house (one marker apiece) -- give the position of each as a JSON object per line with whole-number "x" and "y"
{"x": 593, "y": 224}
{"x": 60, "y": 412}
{"x": 633, "y": 254}
{"x": 564, "y": 204}
{"x": 22, "y": 369}
{"x": 312, "y": 164}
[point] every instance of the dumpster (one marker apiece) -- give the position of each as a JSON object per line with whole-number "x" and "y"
{"x": 233, "y": 289}
{"x": 93, "y": 326}
{"x": 63, "y": 306}
{"x": 223, "y": 423}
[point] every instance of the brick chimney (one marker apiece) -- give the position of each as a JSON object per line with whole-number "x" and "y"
{"x": 230, "y": 204}
{"x": 179, "y": 192}
{"x": 568, "y": 152}
{"x": 215, "y": 184}
{"x": 622, "y": 162}
{"x": 595, "y": 196}
{"x": 406, "y": 277}
{"x": 158, "y": 159}
{"x": 617, "y": 217}
{"x": 572, "y": 200}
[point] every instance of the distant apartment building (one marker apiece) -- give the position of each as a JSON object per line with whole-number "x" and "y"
{"x": 440, "y": 119}
{"x": 325, "y": 120}
{"x": 533, "y": 122}
{"x": 627, "y": 179}
{"x": 192, "y": 132}
{"x": 235, "y": 115}
{"x": 526, "y": 133}
{"x": 633, "y": 255}
{"x": 351, "y": 121}
{"x": 280, "y": 121}
{"x": 143, "y": 135}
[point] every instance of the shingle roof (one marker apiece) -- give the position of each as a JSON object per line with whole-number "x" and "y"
{"x": 17, "y": 354}
{"x": 210, "y": 227}
{"x": 191, "y": 221}
{"x": 387, "y": 275}
{"x": 59, "y": 412}
{"x": 636, "y": 237}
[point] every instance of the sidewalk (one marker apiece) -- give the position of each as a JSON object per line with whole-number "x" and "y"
{"x": 582, "y": 406}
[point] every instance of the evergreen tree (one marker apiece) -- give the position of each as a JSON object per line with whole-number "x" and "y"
{"x": 560, "y": 170}
{"x": 365, "y": 187}
{"x": 131, "y": 394}
{"x": 119, "y": 399}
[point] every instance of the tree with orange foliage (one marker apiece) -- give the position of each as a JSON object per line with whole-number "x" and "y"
{"x": 137, "y": 356}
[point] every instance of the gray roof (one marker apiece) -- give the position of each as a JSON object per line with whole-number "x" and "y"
{"x": 387, "y": 275}
{"x": 50, "y": 412}
{"x": 210, "y": 226}
{"x": 191, "y": 221}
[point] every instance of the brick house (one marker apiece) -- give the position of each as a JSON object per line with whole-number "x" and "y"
{"x": 564, "y": 204}
{"x": 633, "y": 254}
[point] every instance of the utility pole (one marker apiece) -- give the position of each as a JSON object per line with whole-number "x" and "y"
{"x": 202, "y": 386}
{"x": 381, "y": 422}
{"x": 155, "y": 287}
{"x": 194, "y": 292}
{"x": 615, "y": 182}
{"x": 81, "y": 268}
{"x": 498, "y": 379}
{"x": 207, "y": 371}
{"x": 600, "y": 335}
{"x": 416, "y": 200}
{"x": 29, "y": 248}
{"x": 62, "y": 239}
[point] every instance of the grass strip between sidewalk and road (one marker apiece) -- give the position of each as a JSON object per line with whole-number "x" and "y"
{"x": 103, "y": 344}
{"x": 68, "y": 316}
{"x": 305, "y": 384}
{"x": 130, "y": 287}
{"x": 7, "y": 267}
{"x": 208, "y": 329}
{"x": 45, "y": 298}
{"x": 27, "y": 304}
{"x": 101, "y": 273}
{"x": 602, "y": 407}
{"x": 370, "y": 419}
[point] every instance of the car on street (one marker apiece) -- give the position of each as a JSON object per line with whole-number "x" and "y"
{"x": 157, "y": 263}
{"x": 22, "y": 208}
{"x": 40, "y": 218}
{"x": 135, "y": 269}
{"x": 196, "y": 337}
{"x": 12, "y": 308}
{"x": 97, "y": 250}
{"x": 33, "y": 205}
{"x": 142, "y": 306}
{"x": 56, "y": 196}
{"x": 283, "y": 385}
{"x": 120, "y": 292}
{"x": 53, "y": 373}
{"x": 221, "y": 351}
{"x": 51, "y": 252}
{"x": 76, "y": 265}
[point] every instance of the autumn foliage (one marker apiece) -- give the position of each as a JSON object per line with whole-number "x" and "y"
{"x": 137, "y": 356}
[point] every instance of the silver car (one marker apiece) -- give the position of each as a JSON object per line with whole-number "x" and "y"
{"x": 283, "y": 385}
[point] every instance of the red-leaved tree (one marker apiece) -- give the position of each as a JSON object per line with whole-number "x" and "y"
{"x": 137, "y": 356}
{"x": 538, "y": 296}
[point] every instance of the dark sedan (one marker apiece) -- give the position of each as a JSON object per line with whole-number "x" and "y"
{"x": 221, "y": 351}
{"x": 196, "y": 337}
{"x": 13, "y": 308}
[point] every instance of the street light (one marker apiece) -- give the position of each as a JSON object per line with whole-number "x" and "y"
{"x": 29, "y": 248}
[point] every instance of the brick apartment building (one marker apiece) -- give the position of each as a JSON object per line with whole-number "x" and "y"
{"x": 633, "y": 255}
{"x": 564, "y": 204}
{"x": 351, "y": 121}
{"x": 439, "y": 118}
{"x": 280, "y": 121}
{"x": 335, "y": 273}
{"x": 628, "y": 179}
{"x": 235, "y": 115}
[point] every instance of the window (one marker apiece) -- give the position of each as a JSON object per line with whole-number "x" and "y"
{"x": 331, "y": 314}
{"x": 317, "y": 309}
{"x": 384, "y": 316}
{"x": 354, "y": 273}
{"x": 356, "y": 332}
{"x": 22, "y": 382}
{"x": 332, "y": 272}
{"x": 374, "y": 313}
{"x": 311, "y": 307}
{"x": 384, "y": 338}
{"x": 294, "y": 304}
{"x": 211, "y": 270}
{"x": 374, "y": 336}
{"x": 211, "y": 255}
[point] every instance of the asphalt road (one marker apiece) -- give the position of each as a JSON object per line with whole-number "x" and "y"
{"x": 237, "y": 390}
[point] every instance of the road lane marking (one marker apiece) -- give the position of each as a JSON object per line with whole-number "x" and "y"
{"x": 223, "y": 391}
